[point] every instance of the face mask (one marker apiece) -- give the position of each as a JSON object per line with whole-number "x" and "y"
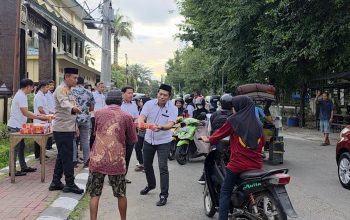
{"x": 199, "y": 106}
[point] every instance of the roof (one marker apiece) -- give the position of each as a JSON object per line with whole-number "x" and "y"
{"x": 80, "y": 12}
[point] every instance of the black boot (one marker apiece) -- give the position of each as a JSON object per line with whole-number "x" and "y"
{"x": 73, "y": 189}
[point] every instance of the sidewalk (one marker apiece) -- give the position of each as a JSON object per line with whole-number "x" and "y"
{"x": 309, "y": 134}
{"x": 28, "y": 196}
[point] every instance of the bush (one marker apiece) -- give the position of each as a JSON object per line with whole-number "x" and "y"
{"x": 4, "y": 134}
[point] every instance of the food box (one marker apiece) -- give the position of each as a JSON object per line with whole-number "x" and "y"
{"x": 145, "y": 125}
{"x": 36, "y": 128}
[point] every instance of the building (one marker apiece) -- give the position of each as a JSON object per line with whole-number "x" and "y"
{"x": 50, "y": 36}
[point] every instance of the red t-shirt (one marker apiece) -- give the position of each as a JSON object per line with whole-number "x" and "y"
{"x": 242, "y": 158}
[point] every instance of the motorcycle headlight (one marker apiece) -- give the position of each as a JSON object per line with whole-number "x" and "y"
{"x": 344, "y": 131}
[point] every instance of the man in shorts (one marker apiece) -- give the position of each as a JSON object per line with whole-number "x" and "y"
{"x": 114, "y": 129}
{"x": 326, "y": 115}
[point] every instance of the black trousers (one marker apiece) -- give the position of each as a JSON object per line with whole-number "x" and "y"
{"x": 162, "y": 150}
{"x": 138, "y": 149}
{"x": 128, "y": 153}
{"x": 64, "y": 161}
{"x": 92, "y": 136}
{"x": 37, "y": 147}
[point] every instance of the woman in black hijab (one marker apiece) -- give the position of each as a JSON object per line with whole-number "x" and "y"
{"x": 246, "y": 143}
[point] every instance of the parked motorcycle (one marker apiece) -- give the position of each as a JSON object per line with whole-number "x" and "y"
{"x": 260, "y": 195}
{"x": 185, "y": 147}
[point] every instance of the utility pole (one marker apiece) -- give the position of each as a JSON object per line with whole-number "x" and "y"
{"x": 107, "y": 21}
{"x": 126, "y": 69}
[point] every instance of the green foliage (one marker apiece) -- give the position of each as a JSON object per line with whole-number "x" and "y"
{"x": 4, "y": 152}
{"x": 285, "y": 42}
{"x": 4, "y": 134}
{"x": 118, "y": 76}
{"x": 89, "y": 58}
{"x": 190, "y": 71}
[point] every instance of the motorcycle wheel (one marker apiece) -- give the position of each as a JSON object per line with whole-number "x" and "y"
{"x": 209, "y": 209}
{"x": 180, "y": 156}
{"x": 172, "y": 150}
{"x": 268, "y": 207}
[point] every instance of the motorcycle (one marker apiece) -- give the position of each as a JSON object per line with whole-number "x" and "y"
{"x": 260, "y": 194}
{"x": 186, "y": 147}
{"x": 175, "y": 129}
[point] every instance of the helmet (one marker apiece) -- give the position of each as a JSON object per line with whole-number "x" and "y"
{"x": 179, "y": 100}
{"x": 200, "y": 101}
{"x": 188, "y": 98}
{"x": 226, "y": 102}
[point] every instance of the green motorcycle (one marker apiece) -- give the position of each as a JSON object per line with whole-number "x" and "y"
{"x": 186, "y": 148}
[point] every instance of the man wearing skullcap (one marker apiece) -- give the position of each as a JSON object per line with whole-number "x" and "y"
{"x": 114, "y": 129}
{"x": 163, "y": 114}
{"x": 64, "y": 128}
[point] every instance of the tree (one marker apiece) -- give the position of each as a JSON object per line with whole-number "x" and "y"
{"x": 189, "y": 71}
{"x": 118, "y": 76}
{"x": 89, "y": 58}
{"x": 138, "y": 75}
{"x": 122, "y": 28}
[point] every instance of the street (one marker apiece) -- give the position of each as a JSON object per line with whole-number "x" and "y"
{"x": 314, "y": 189}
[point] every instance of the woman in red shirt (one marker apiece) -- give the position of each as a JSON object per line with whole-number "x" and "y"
{"x": 246, "y": 142}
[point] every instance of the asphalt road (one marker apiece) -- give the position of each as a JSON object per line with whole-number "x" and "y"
{"x": 314, "y": 189}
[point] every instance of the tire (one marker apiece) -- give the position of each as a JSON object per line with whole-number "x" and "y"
{"x": 344, "y": 170}
{"x": 270, "y": 207}
{"x": 180, "y": 157}
{"x": 172, "y": 151}
{"x": 209, "y": 209}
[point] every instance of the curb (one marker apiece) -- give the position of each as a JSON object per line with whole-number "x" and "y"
{"x": 61, "y": 208}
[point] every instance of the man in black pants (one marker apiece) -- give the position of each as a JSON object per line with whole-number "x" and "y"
{"x": 64, "y": 127}
{"x": 129, "y": 107}
{"x": 162, "y": 113}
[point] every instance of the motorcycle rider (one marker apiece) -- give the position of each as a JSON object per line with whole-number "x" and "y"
{"x": 189, "y": 105}
{"x": 179, "y": 103}
{"x": 218, "y": 119}
{"x": 246, "y": 143}
{"x": 200, "y": 112}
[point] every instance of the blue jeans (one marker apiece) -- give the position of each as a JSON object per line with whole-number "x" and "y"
{"x": 229, "y": 183}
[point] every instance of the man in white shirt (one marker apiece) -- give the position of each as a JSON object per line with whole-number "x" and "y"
{"x": 19, "y": 115}
{"x": 41, "y": 107}
{"x": 49, "y": 97}
{"x": 100, "y": 102}
{"x": 129, "y": 107}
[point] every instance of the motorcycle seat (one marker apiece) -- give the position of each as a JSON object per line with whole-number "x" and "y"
{"x": 252, "y": 174}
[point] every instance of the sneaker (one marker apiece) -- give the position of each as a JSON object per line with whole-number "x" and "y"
{"x": 29, "y": 169}
{"x": 139, "y": 168}
{"x": 162, "y": 201}
{"x": 127, "y": 181}
{"x": 324, "y": 144}
{"x": 201, "y": 180}
{"x": 73, "y": 189}
{"x": 55, "y": 187}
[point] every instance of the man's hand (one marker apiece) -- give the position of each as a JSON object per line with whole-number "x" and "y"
{"x": 205, "y": 139}
{"x": 42, "y": 117}
{"x": 76, "y": 110}
{"x": 156, "y": 128}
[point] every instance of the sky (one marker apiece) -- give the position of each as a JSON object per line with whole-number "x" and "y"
{"x": 154, "y": 28}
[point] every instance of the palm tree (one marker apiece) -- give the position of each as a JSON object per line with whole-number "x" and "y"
{"x": 122, "y": 28}
{"x": 89, "y": 58}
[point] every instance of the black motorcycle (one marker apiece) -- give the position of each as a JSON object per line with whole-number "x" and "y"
{"x": 260, "y": 194}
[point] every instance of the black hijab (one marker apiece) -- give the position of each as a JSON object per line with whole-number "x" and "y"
{"x": 244, "y": 122}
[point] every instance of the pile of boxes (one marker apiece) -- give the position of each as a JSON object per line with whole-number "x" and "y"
{"x": 30, "y": 128}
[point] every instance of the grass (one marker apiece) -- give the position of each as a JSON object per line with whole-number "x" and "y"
{"x": 5, "y": 150}
{"x": 79, "y": 210}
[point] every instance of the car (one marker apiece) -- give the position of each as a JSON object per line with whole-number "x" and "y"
{"x": 343, "y": 157}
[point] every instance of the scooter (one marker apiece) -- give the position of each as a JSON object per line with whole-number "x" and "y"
{"x": 260, "y": 194}
{"x": 185, "y": 147}
{"x": 175, "y": 129}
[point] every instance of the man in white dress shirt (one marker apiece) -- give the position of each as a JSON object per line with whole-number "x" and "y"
{"x": 100, "y": 102}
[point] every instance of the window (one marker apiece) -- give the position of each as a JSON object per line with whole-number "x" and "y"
{"x": 64, "y": 41}
{"x": 69, "y": 43}
{"x": 76, "y": 47}
{"x": 81, "y": 48}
